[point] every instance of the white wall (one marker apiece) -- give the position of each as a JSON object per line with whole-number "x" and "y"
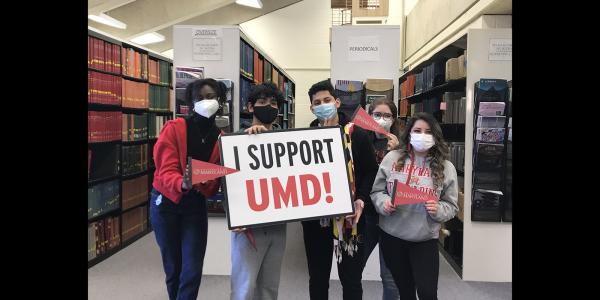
{"x": 428, "y": 18}
{"x": 304, "y": 79}
{"x": 297, "y": 38}
{"x": 420, "y": 23}
{"x": 395, "y": 15}
{"x": 487, "y": 247}
{"x": 409, "y": 5}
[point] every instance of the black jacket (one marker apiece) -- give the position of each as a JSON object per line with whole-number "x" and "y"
{"x": 365, "y": 165}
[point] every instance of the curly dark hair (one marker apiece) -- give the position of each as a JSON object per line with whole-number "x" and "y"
{"x": 265, "y": 90}
{"x": 438, "y": 153}
{"x": 192, "y": 91}
{"x": 324, "y": 85}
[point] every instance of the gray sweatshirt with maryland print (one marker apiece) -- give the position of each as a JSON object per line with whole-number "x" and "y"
{"x": 411, "y": 222}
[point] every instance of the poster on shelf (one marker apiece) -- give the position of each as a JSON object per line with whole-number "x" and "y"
{"x": 500, "y": 50}
{"x": 207, "y": 44}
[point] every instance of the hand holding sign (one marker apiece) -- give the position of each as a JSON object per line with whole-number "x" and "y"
{"x": 358, "y": 209}
{"x": 431, "y": 206}
{"x": 404, "y": 194}
{"x": 388, "y": 207}
{"x": 187, "y": 175}
{"x": 203, "y": 171}
{"x": 393, "y": 142}
{"x": 255, "y": 129}
{"x": 362, "y": 119}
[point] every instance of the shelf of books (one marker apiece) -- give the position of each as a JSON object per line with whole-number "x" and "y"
{"x": 256, "y": 68}
{"x": 129, "y": 100}
{"x": 438, "y": 86}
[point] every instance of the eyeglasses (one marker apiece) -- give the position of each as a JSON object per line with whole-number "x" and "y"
{"x": 385, "y": 116}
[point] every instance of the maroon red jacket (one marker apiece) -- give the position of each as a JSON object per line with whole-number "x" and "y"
{"x": 170, "y": 153}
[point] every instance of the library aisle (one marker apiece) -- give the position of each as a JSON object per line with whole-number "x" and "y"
{"x": 135, "y": 273}
{"x": 455, "y": 68}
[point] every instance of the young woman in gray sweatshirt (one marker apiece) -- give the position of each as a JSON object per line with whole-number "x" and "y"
{"x": 409, "y": 233}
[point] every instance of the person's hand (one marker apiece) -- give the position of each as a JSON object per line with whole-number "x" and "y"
{"x": 238, "y": 230}
{"x": 187, "y": 176}
{"x": 431, "y": 207}
{"x": 254, "y": 129}
{"x": 388, "y": 207}
{"x": 393, "y": 142}
{"x": 359, "y": 205}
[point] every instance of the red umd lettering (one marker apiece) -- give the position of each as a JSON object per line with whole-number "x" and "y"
{"x": 264, "y": 191}
{"x": 288, "y": 195}
{"x": 279, "y": 194}
{"x": 304, "y": 179}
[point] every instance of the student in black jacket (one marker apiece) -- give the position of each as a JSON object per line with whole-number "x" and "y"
{"x": 320, "y": 241}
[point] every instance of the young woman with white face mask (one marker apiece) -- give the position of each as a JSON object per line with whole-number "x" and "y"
{"x": 409, "y": 233}
{"x": 384, "y": 112}
{"x": 178, "y": 212}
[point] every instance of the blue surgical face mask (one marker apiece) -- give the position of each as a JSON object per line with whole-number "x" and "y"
{"x": 325, "y": 111}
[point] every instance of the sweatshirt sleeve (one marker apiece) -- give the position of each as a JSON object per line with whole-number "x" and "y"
{"x": 448, "y": 204}
{"x": 364, "y": 163}
{"x": 379, "y": 192}
{"x": 166, "y": 158}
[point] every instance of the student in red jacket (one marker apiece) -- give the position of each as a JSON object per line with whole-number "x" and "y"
{"x": 178, "y": 211}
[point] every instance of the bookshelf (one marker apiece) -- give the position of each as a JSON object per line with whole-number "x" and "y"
{"x": 121, "y": 103}
{"x": 477, "y": 251}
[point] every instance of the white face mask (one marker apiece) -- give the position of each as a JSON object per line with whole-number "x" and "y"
{"x": 421, "y": 141}
{"x": 206, "y": 107}
{"x": 385, "y": 124}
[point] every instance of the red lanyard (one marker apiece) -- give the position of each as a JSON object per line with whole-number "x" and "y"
{"x": 410, "y": 169}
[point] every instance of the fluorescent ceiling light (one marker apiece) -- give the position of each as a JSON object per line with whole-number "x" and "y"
{"x": 168, "y": 53}
{"x": 148, "y": 38}
{"x": 251, "y": 3}
{"x": 107, "y": 20}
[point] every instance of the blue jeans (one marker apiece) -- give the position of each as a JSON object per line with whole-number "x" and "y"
{"x": 390, "y": 292}
{"x": 181, "y": 231}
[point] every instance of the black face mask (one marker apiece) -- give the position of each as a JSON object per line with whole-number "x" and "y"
{"x": 266, "y": 114}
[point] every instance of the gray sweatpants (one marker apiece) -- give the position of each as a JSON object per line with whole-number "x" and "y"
{"x": 255, "y": 273}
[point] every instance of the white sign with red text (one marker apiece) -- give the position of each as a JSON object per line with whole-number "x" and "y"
{"x": 285, "y": 176}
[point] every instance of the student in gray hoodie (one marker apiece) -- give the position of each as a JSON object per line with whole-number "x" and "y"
{"x": 409, "y": 233}
{"x": 257, "y": 253}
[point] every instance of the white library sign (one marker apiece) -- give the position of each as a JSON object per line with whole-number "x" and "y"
{"x": 363, "y": 48}
{"x": 500, "y": 49}
{"x": 207, "y": 44}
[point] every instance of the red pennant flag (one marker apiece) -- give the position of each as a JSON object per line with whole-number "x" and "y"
{"x": 250, "y": 237}
{"x": 362, "y": 119}
{"x": 404, "y": 194}
{"x": 203, "y": 171}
